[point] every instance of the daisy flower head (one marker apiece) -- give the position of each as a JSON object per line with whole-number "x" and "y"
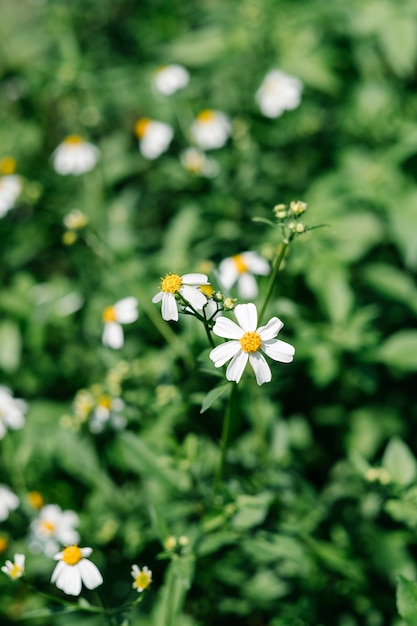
{"x": 247, "y": 342}
{"x": 15, "y": 569}
{"x": 170, "y": 78}
{"x": 142, "y": 578}
{"x": 211, "y": 129}
{"x": 10, "y": 185}
{"x": 125, "y": 311}
{"x": 278, "y": 92}
{"x": 186, "y": 287}
{"x": 240, "y": 269}
{"x": 8, "y": 502}
{"x": 74, "y": 156}
{"x": 74, "y": 569}
{"x": 12, "y": 412}
{"x": 154, "y": 137}
{"x": 53, "y": 527}
{"x": 198, "y": 163}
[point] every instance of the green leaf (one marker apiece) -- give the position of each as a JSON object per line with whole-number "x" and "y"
{"x": 399, "y": 462}
{"x": 215, "y": 394}
{"x": 400, "y": 350}
{"x": 10, "y": 346}
{"x": 401, "y": 58}
{"x": 407, "y": 600}
{"x": 252, "y": 510}
{"x": 393, "y": 283}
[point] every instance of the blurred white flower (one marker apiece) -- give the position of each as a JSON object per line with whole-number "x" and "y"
{"x": 170, "y": 78}
{"x": 278, "y": 92}
{"x": 75, "y": 156}
{"x": 10, "y": 185}
{"x": 73, "y": 569}
{"x": 154, "y": 137}
{"x": 15, "y": 569}
{"x": 198, "y": 163}
{"x": 8, "y": 502}
{"x": 11, "y": 411}
{"x": 125, "y": 311}
{"x": 53, "y": 527}
{"x": 107, "y": 411}
{"x": 211, "y": 129}
{"x": 142, "y": 578}
{"x": 247, "y": 342}
{"x": 187, "y": 286}
{"x": 240, "y": 269}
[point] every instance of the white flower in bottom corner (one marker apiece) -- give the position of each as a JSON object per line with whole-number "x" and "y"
{"x": 142, "y": 578}
{"x": 15, "y": 569}
{"x": 240, "y": 269}
{"x": 74, "y": 569}
{"x": 125, "y": 311}
{"x": 247, "y": 343}
{"x": 74, "y": 156}
{"x": 278, "y": 92}
{"x": 187, "y": 286}
{"x": 154, "y": 137}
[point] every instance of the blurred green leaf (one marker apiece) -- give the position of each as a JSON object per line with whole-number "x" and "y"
{"x": 10, "y": 346}
{"x": 399, "y": 462}
{"x": 215, "y": 394}
{"x": 407, "y": 600}
{"x": 400, "y": 350}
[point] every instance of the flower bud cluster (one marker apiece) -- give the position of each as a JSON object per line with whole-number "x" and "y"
{"x": 288, "y": 218}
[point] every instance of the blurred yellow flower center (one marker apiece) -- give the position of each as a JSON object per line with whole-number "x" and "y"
{"x": 73, "y": 140}
{"x": 142, "y": 581}
{"x": 48, "y": 527}
{"x": 207, "y": 290}
{"x": 250, "y": 342}
{"x": 7, "y": 165}
{"x": 104, "y": 401}
{"x": 3, "y": 544}
{"x": 109, "y": 314}
{"x": 15, "y": 571}
{"x": 141, "y": 126}
{"x": 35, "y": 499}
{"x": 71, "y": 555}
{"x": 206, "y": 116}
{"x": 240, "y": 263}
{"x": 171, "y": 283}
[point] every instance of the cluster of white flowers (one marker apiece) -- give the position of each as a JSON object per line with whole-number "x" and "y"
{"x": 12, "y": 411}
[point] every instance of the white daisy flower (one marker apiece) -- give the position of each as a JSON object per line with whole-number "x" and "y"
{"x": 211, "y": 129}
{"x": 142, "y": 578}
{"x": 107, "y": 411}
{"x": 75, "y": 156}
{"x": 53, "y": 527}
{"x": 154, "y": 137}
{"x": 240, "y": 269}
{"x": 278, "y": 92}
{"x": 125, "y": 311}
{"x": 10, "y": 188}
{"x": 11, "y": 411}
{"x": 8, "y": 502}
{"x": 198, "y": 163}
{"x": 170, "y": 78}
{"x": 247, "y": 342}
{"x": 187, "y": 286}
{"x": 73, "y": 569}
{"x": 15, "y": 569}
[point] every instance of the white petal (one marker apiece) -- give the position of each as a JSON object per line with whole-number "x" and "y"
{"x": 58, "y": 568}
{"x": 271, "y": 329}
{"x": 112, "y": 335}
{"x": 247, "y": 316}
{"x": 247, "y": 286}
{"x": 194, "y": 279}
{"x": 86, "y": 551}
{"x": 193, "y": 296}
{"x": 90, "y": 575}
{"x": 260, "y": 367}
{"x": 256, "y": 264}
{"x": 126, "y": 310}
{"x": 227, "y": 329}
{"x": 236, "y": 366}
{"x": 221, "y": 354}
{"x": 158, "y": 297}
{"x": 169, "y": 307}
{"x": 69, "y": 580}
{"x": 279, "y": 350}
{"x": 228, "y": 273}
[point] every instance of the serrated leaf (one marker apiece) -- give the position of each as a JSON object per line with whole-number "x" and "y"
{"x": 213, "y": 395}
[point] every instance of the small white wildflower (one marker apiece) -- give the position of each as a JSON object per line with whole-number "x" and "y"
{"x": 74, "y": 569}
{"x": 74, "y": 156}
{"x": 278, "y": 92}
{"x": 15, "y": 569}
{"x": 125, "y": 311}
{"x": 198, "y": 163}
{"x": 187, "y": 286}
{"x": 154, "y": 137}
{"x": 12, "y": 411}
{"x": 53, "y": 527}
{"x": 240, "y": 269}
{"x": 170, "y": 78}
{"x": 211, "y": 129}
{"x": 8, "y": 502}
{"x": 142, "y": 578}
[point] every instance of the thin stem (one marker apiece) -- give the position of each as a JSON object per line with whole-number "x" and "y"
{"x": 227, "y": 421}
{"x": 273, "y": 277}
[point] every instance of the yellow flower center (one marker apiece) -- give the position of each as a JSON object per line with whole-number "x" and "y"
{"x": 240, "y": 263}
{"x": 109, "y": 314}
{"x": 3, "y": 544}
{"x": 141, "y": 126}
{"x": 73, "y": 140}
{"x": 250, "y": 342}
{"x": 171, "y": 283}
{"x": 35, "y": 499}
{"x": 15, "y": 571}
{"x": 7, "y": 165}
{"x": 71, "y": 555}
{"x": 105, "y": 402}
{"x": 48, "y": 527}
{"x": 207, "y": 290}
{"x": 206, "y": 116}
{"x": 142, "y": 581}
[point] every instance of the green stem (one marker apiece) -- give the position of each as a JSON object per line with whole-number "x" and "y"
{"x": 227, "y": 421}
{"x": 272, "y": 279}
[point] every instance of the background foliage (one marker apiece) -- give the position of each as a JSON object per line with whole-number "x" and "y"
{"x": 307, "y": 529}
